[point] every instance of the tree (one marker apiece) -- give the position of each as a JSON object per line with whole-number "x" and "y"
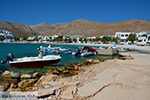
{"x": 16, "y": 38}
{"x": 105, "y": 39}
{"x": 80, "y": 39}
{"x": 75, "y": 40}
{"x": 115, "y": 39}
{"x": 85, "y": 40}
{"x": 69, "y": 40}
{"x": 59, "y": 38}
{"x": 132, "y": 38}
{"x": 2, "y": 38}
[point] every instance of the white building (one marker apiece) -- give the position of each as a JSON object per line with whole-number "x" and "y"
{"x": 143, "y": 37}
{"x": 123, "y": 36}
{"x": 93, "y": 37}
{"x": 9, "y": 37}
{"x": 54, "y": 36}
{"x": 43, "y": 38}
{"x": 31, "y": 38}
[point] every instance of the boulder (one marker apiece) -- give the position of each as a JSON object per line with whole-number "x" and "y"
{"x": 23, "y": 84}
{"x": 66, "y": 72}
{"x": 31, "y": 81}
{"x": 36, "y": 75}
{"x": 25, "y": 76}
{"x": 74, "y": 72}
{"x": 14, "y": 75}
{"x": 47, "y": 92}
{"x": 10, "y": 88}
{"x": 55, "y": 71}
{"x": 89, "y": 60}
{"x": 45, "y": 79}
{"x": 95, "y": 61}
{"x": 5, "y": 75}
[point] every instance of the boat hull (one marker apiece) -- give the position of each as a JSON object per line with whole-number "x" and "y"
{"x": 35, "y": 63}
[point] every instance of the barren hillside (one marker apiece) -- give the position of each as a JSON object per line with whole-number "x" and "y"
{"x": 77, "y": 27}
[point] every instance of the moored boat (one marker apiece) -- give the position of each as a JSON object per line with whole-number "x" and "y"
{"x": 85, "y": 51}
{"x": 32, "y": 61}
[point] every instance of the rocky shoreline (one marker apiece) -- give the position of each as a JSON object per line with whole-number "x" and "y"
{"x": 14, "y": 82}
{"x": 89, "y": 81}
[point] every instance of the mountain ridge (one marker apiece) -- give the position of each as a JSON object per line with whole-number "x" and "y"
{"x": 77, "y": 27}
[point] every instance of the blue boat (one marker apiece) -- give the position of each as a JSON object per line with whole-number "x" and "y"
{"x": 65, "y": 51}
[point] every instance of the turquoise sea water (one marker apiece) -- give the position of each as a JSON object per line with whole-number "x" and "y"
{"x": 26, "y": 50}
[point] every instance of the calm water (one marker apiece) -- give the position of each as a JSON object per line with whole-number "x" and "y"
{"x": 27, "y": 50}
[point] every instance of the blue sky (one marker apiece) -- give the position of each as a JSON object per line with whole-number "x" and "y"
{"x": 32, "y": 12}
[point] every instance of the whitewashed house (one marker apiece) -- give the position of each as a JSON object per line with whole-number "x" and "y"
{"x": 123, "y": 36}
{"x": 9, "y": 37}
{"x": 143, "y": 37}
{"x": 31, "y": 38}
{"x": 93, "y": 37}
{"x": 53, "y": 37}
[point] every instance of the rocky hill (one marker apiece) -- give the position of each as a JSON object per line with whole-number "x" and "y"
{"x": 77, "y": 27}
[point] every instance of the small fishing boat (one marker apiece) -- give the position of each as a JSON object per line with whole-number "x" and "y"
{"x": 85, "y": 51}
{"x": 64, "y": 51}
{"x": 32, "y": 61}
{"x": 48, "y": 49}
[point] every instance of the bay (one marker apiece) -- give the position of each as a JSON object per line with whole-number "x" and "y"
{"x": 29, "y": 50}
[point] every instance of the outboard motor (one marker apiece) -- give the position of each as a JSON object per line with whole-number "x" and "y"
{"x": 78, "y": 53}
{"x": 9, "y": 57}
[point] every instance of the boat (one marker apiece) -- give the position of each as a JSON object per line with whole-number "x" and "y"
{"x": 64, "y": 51}
{"x": 85, "y": 51}
{"x": 48, "y": 49}
{"x": 32, "y": 61}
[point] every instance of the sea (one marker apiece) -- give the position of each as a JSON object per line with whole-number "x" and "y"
{"x": 29, "y": 50}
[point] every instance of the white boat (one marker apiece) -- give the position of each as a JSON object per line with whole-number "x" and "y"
{"x": 33, "y": 61}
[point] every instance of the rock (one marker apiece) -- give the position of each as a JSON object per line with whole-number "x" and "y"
{"x": 95, "y": 61}
{"x": 45, "y": 79}
{"x": 55, "y": 84}
{"x": 47, "y": 92}
{"x": 2, "y": 88}
{"x": 10, "y": 88}
{"x": 23, "y": 84}
{"x": 76, "y": 67}
{"x": 74, "y": 72}
{"x": 15, "y": 90}
{"x": 68, "y": 93}
{"x": 5, "y": 75}
{"x": 55, "y": 71}
{"x": 25, "y": 76}
{"x": 31, "y": 81}
{"x": 127, "y": 57}
{"x": 89, "y": 60}
{"x": 27, "y": 89}
{"x": 6, "y": 82}
{"x": 66, "y": 72}
{"x": 36, "y": 75}
{"x": 14, "y": 75}
{"x": 6, "y": 86}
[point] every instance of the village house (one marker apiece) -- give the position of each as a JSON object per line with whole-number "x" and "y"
{"x": 7, "y": 36}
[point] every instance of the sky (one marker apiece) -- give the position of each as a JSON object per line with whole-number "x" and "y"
{"x": 32, "y": 12}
